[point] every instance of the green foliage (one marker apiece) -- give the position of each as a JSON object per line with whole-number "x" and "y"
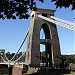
{"x": 65, "y": 58}
{"x": 11, "y": 9}
{"x": 64, "y": 3}
{"x": 68, "y": 58}
{"x": 9, "y": 55}
{"x": 16, "y": 8}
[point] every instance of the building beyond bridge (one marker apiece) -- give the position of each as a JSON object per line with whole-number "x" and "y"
{"x": 2, "y": 52}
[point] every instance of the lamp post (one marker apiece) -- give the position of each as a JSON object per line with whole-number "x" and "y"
{"x": 9, "y": 68}
{"x": 0, "y": 56}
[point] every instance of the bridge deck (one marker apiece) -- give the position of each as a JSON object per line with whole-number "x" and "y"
{"x": 6, "y": 63}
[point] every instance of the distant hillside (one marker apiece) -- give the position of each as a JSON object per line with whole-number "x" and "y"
{"x": 69, "y": 58}
{"x": 65, "y": 58}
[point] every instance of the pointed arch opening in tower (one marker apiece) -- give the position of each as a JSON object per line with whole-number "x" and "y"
{"x": 45, "y": 32}
{"x": 45, "y": 45}
{"x": 42, "y": 34}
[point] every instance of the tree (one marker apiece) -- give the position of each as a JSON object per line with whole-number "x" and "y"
{"x": 68, "y": 59}
{"x": 64, "y": 3}
{"x": 19, "y": 8}
{"x": 9, "y": 55}
{"x": 13, "y": 8}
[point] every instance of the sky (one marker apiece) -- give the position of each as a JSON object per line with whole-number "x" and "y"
{"x": 12, "y": 32}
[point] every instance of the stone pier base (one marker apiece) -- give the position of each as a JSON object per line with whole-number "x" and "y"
{"x": 19, "y": 69}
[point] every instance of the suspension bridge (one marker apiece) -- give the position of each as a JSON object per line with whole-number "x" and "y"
{"x": 38, "y": 15}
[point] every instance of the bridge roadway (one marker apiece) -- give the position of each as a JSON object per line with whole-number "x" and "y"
{"x": 11, "y": 63}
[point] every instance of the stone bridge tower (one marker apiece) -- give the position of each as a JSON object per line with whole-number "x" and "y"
{"x": 51, "y": 40}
